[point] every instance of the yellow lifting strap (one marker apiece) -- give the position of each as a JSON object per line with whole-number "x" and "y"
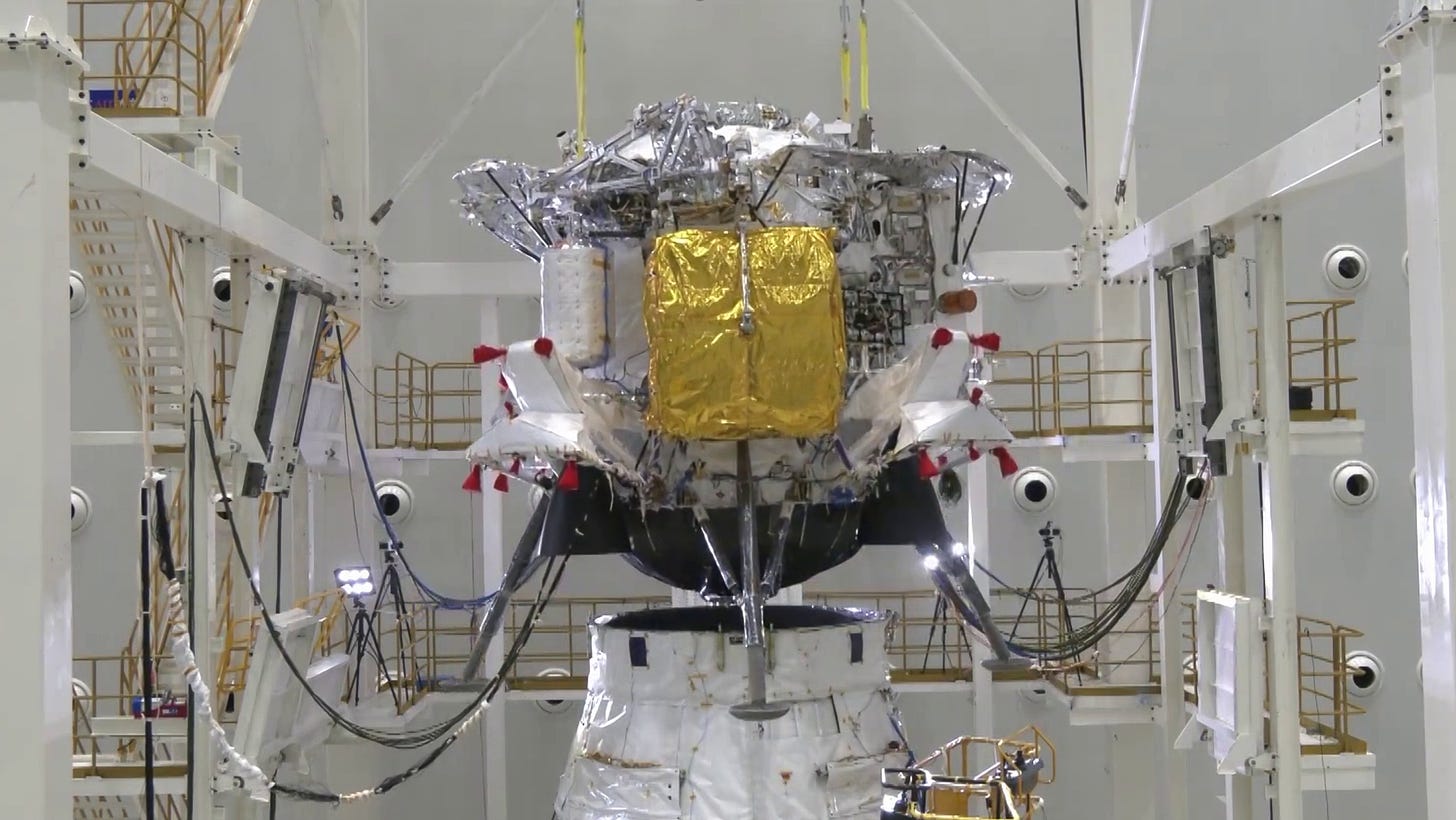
{"x": 580, "y": 77}
{"x": 864, "y": 59}
{"x": 845, "y": 83}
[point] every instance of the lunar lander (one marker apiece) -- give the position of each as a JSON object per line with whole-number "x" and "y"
{"x": 748, "y": 371}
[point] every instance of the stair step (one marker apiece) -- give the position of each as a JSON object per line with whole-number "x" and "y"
{"x": 154, "y": 328}
{"x": 161, "y": 363}
{"x": 154, "y": 336}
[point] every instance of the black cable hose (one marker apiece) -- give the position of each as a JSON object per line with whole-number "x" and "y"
{"x": 1085, "y": 638}
{"x": 149, "y": 751}
{"x": 492, "y": 688}
{"x": 1087, "y": 596}
{"x": 395, "y": 546}
{"x": 391, "y": 739}
{"x": 278, "y": 556}
{"x": 1082, "y": 639}
{"x": 191, "y": 609}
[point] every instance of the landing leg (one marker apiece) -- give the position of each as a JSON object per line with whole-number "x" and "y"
{"x": 757, "y": 707}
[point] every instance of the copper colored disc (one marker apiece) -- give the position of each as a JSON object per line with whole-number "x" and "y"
{"x": 949, "y": 303}
{"x": 968, "y": 300}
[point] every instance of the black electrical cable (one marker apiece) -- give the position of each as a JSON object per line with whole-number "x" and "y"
{"x": 1082, "y": 88}
{"x": 149, "y": 752}
{"x": 1084, "y": 638}
{"x": 191, "y": 608}
{"x": 1086, "y": 596}
{"x": 392, "y": 739}
{"x": 278, "y": 556}
{"x": 492, "y": 688}
{"x": 162, "y": 534}
{"x": 955, "y": 240}
{"x": 976, "y": 229}
{"x": 394, "y": 546}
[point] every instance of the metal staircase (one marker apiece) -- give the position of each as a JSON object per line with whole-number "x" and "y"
{"x": 132, "y": 266}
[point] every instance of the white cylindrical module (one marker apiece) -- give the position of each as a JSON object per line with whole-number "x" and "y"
{"x": 657, "y": 740}
{"x": 574, "y": 302}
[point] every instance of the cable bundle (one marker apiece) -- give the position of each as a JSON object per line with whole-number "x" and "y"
{"x": 1082, "y": 639}
{"x": 438, "y": 599}
{"x": 447, "y": 731}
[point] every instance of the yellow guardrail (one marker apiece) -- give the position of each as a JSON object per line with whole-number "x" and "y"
{"x": 1073, "y": 388}
{"x": 156, "y": 57}
{"x": 426, "y": 405}
{"x": 1315, "y": 344}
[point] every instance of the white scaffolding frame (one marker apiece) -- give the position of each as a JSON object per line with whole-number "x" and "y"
{"x": 1405, "y": 113}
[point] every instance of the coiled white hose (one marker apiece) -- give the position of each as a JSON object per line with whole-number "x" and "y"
{"x": 258, "y": 783}
{"x": 254, "y": 779}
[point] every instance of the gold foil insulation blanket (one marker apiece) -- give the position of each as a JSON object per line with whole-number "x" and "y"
{"x": 709, "y": 379}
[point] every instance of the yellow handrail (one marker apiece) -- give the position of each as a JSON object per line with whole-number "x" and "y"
{"x": 130, "y": 42}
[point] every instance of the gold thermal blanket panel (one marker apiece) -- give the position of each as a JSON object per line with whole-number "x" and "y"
{"x": 710, "y": 380}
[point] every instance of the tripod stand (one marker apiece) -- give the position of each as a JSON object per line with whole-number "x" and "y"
{"x": 363, "y": 642}
{"x": 390, "y": 586}
{"x": 1050, "y": 536}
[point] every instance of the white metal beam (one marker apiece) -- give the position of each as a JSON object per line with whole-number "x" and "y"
{"x": 341, "y": 81}
{"x": 489, "y": 279}
{"x": 1428, "y": 92}
{"x": 35, "y": 782}
{"x": 1278, "y": 518}
{"x": 200, "y": 559}
{"x": 1028, "y": 268}
{"x": 1140, "y": 791}
{"x": 1349, "y": 140}
{"x": 117, "y": 162}
{"x": 1163, "y": 453}
{"x": 1238, "y": 788}
{"x": 975, "y": 530}
{"x": 523, "y": 277}
{"x": 493, "y": 554}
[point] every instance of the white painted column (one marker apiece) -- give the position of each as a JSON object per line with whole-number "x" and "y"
{"x": 1229, "y": 490}
{"x": 1278, "y": 518}
{"x": 1238, "y": 788}
{"x": 1108, "y": 47}
{"x": 977, "y": 534}
{"x": 493, "y": 554}
{"x": 1171, "y": 764}
{"x": 1428, "y": 97}
{"x": 342, "y": 77}
{"x": 35, "y": 781}
{"x": 201, "y": 559}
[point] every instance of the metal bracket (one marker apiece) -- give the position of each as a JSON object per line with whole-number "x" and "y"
{"x": 1262, "y": 763}
{"x": 1100, "y": 238}
{"x": 361, "y": 256}
{"x": 1414, "y": 25}
{"x": 1392, "y": 121}
{"x": 35, "y": 35}
{"x": 386, "y": 299}
{"x": 1248, "y": 428}
{"x": 80, "y": 110}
